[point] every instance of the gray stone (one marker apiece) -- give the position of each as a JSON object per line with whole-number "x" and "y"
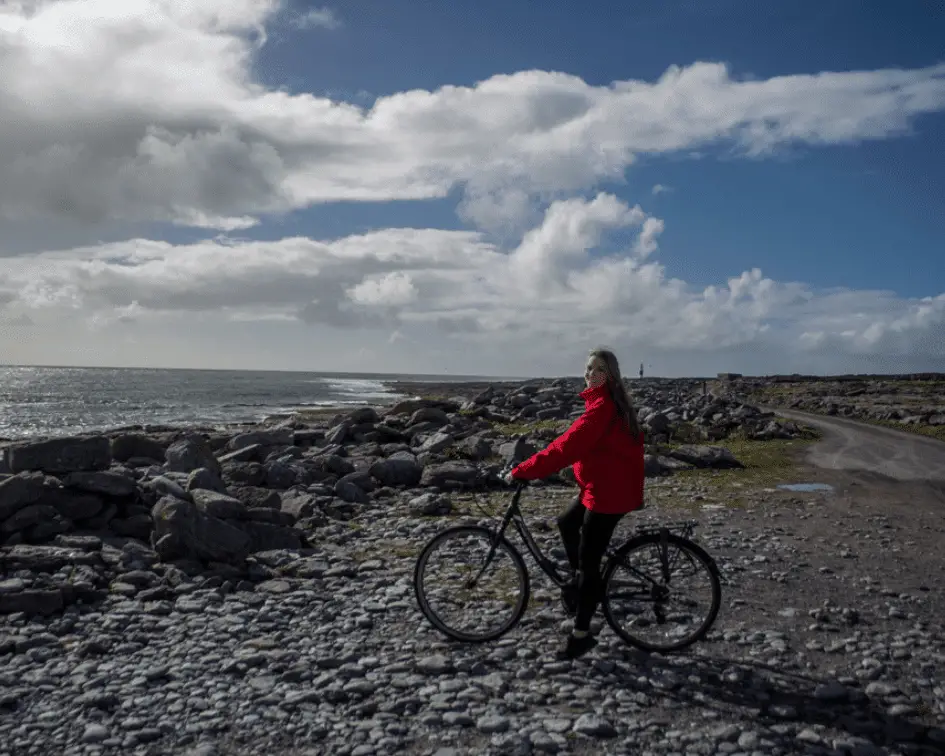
{"x": 218, "y": 504}
{"x": 104, "y": 483}
{"x": 191, "y": 453}
{"x": 206, "y": 480}
{"x": 181, "y": 530}
{"x": 430, "y": 504}
{"x": 60, "y": 455}
{"x": 595, "y": 726}
{"x": 492, "y": 723}
{"x": 450, "y": 475}
{"x": 399, "y": 469}
{"x": 434, "y": 665}
{"x": 128, "y": 446}
{"x": 20, "y": 491}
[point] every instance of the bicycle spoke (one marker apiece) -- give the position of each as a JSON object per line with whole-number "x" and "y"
{"x": 466, "y": 593}
{"x": 652, "y": 597}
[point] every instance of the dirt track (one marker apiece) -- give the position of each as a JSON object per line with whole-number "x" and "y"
{"x": 849, "y": 445}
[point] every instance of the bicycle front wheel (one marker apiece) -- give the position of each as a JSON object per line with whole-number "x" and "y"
{"x": 661, "y": 594}
{"x": 466, "y": 589}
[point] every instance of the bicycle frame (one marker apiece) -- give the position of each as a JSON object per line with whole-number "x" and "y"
{"x": 513, "y": 515}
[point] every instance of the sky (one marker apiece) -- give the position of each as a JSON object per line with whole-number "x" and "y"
{"x": 488, "y": 188}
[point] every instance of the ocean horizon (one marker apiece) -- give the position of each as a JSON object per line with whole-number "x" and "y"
{"x": 48, "y": 400}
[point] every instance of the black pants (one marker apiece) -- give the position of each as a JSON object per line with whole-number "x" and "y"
{"x": 586, "y": 535}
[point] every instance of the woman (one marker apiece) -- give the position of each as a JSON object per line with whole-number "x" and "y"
{"x": 605, "y": 445}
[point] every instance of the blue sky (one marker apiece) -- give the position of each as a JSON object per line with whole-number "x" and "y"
{"x": 817, "y": 214}
{"x": 380, "y": 186}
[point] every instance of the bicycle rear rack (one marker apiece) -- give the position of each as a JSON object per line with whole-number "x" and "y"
{"x": 686, "y": 526}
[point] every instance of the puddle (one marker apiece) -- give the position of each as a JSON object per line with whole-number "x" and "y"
{"x": 805, "y": 487}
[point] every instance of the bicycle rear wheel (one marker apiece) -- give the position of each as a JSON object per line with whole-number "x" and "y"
{"x": 466, "y": 594}
{"x": 646, "y": 592}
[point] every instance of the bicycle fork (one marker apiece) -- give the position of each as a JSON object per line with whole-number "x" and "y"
{"x": 497, "y": 536}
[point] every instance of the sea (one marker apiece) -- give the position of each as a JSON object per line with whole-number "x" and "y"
{"x": 58, "y": 401}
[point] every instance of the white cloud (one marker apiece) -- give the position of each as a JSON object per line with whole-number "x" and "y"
{"x": 119, "y": 112}
{"x": 389, "y": 289}
{"x": 652, "y": 228}
{"x": 148, "y": 110}
{"x": 318, "y": 18}
{"x": 425, "y": 293}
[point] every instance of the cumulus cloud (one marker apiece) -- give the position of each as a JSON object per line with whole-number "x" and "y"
{"x": 147, "y": 110}
{"x": 123, "y": 112}
{"x": 390, "y": 289}
{"x": 414, "y": 286}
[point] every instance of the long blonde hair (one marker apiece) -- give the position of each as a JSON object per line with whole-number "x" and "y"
{"x": 618, "y": 392}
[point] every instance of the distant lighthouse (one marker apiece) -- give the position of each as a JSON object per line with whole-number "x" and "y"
{"x": 641, "y": 369}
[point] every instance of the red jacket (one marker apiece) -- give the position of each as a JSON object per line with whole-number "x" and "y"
{"x": 608, "y": 462}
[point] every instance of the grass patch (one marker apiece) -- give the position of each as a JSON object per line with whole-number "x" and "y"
{"x": 766, "y": 464}
{"x": 530, "y": 428}
{"x": 931, "y": 431}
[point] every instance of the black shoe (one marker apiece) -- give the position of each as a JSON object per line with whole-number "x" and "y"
{"x": 576, "y": 647}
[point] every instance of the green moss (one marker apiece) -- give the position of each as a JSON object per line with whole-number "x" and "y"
{"x": 932, "y": 431}
{"x": 766, "y": 463}
{"x": 530, "y": 428}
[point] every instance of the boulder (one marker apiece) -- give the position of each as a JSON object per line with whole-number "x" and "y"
{"x": 217, "y": 504}
{"x": 103, "y": 483}
{"x": 191, "y": 453}
{"x": 205, "y": 479}
{"x": 429, "y": 504}
{"x": 31, "y": 514}
{"x": 74, "y": 505}
{"x": 348, "y": 491}
{"x": 475, "y": 447}
{"x": 338, "y": 434}
{"x": 299, "y": 504}
{"x": 399, "y": 469}
{"x": 280, "y": 475}
{"x": 244, "y": 474}
{"x": 436, "y": 443}
{"x": 363, "y": 416}
{"x": 20, "y": 491}
{"x": 257, "y": 498}
{"x": 127, "y": 446}
{"x": 450, "y": 475}
{"x": 273, "y": 437}
{"x": 516, "y": 451}
{"x": 252, "y": 453}
{"x": 432, "y": 415}
{"x": 60, "y": 455}
{"x": 182, "y": 531}
{"x": 706, "y": 456}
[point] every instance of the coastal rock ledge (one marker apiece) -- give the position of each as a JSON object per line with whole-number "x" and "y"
{"x": 132, "y": 510}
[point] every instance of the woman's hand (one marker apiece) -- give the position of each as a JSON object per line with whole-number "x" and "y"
{"x": 508, "y": 478}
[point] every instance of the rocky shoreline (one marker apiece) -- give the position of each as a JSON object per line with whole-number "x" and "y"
{"x": 204, "y": 591}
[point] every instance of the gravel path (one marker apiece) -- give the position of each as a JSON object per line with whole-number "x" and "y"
{"x": 850, "y": 445}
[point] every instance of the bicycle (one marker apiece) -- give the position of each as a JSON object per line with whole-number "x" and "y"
{"x": 645, "y": 595}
